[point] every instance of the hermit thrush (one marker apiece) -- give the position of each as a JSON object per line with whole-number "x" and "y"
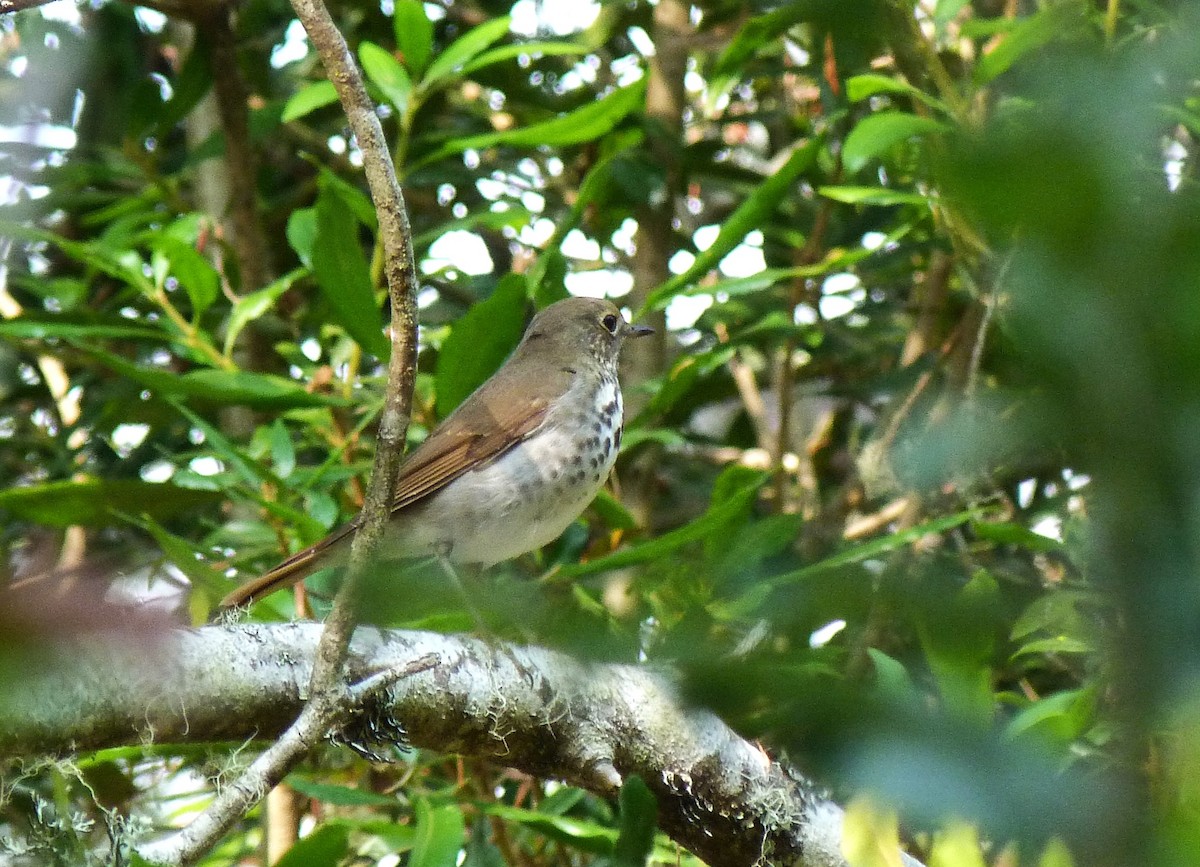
{"x": 514, "y": 465}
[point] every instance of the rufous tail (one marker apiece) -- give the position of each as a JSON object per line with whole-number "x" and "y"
{"x": 292, "y": 570}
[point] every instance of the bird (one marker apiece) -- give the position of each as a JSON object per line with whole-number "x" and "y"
{"x": 512, "y": 466}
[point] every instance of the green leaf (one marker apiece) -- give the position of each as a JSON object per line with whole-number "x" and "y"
{"x": 1008, "y": 533}
{"x": 344, "y": 277}
{"x": 639, "y": 817}
{"x": 891, "y": 678}
{"x": 871, "y": 196}
{"x": 878, "y": 133}
{"x": 479, "y": 343}
{"x": 302, "y": 234}
{"x": 466, "y": 48}
{"x": 45, "y": 326}
{"x": 1054, "y": 21}
{"x": 414, "y": 34}
{"x": 250, "y": 307}
{"x": 324, "y": 847}
{"x": 749, "y": 215}
{"x": 1062, "y": 716}
{"x": 654, "y": 549}
{"x": 581, "y": 834}
{"x": 308, "y": 99}
{"x": 217, "y": 386}
{"x": 860, "y": 87}
{"x": 757, "y": 33}
{"x": 194, "y": 272}
{"x": 517, "y": 49}
{"x": 876, "y": 547}
{"x": 340, "y": 796}
{"x": 439, "y": 835}
{"x": 387, "y": 74}
{"x": 92, "y": 503}
{"x": 589, "y": 122}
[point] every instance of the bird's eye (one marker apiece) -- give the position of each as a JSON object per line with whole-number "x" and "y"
{"x": 610, "y": 322}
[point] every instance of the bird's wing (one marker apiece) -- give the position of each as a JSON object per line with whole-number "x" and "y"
{"x": 483, "y": 428}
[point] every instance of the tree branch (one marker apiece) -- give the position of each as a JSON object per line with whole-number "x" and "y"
{"x": 537, "y": 710}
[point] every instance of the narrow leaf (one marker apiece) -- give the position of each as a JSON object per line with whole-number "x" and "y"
{"x": 344, "y": 277}
{"x": 466, "y": 48}
{"x": 386, "y": 73}
{"x": 92, "y": 503}
{"x": 750, "y": 214}
{"x": 308, "y": 99}
{"x": 584, "y": 124}
{"x": 414, "y": 34}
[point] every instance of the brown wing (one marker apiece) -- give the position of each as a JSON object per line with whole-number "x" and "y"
{"x": 485, "y": 426}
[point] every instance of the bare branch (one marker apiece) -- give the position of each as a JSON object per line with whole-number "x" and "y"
{"x": 537, "y": 710}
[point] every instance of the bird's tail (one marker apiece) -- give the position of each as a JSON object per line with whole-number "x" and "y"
{"x": 294, "y": 569}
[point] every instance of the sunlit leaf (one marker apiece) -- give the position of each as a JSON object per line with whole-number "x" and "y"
{"x": 386, "y": 73}
{"x": 749, "y": 215}
{"x": 466, "y": 48}
{"x": 583, "y": 124}
{"x": 324, "y": 847}
{"x": 308, "y": 99}
{"x": 414, "y": 34}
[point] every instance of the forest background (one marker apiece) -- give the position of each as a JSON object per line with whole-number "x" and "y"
{"x": 908, "y": 491}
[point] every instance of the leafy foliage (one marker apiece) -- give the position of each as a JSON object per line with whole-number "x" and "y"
{"x": 910, "y": 489}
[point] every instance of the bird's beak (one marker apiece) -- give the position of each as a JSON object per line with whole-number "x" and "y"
{"x": 640, "y": 330}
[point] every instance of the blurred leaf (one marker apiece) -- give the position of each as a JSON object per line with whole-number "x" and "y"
{"x": 302, "y": 233}
{"x": 871, "y": 835}
{"x": 638, "y": 819}
{"x": 586, "y": 123}
{"x": 194, "y": 272}
{"x": 340, "y": 796}
{"x": 386, "y": 73}
{"x": 465, "y": 48}
{"x": 1027, "y": 34}
{"x": 44, "y": 326}
{"x": 92, "y": 503}
{"x": 581, "y": 834}
{"x": 250, "y": 307}
{"x": 308, "y": 99}
{"x": 878, "y": 133}
{"x": 217, "y": 386}
{"x": 1059, "y": 718}
{"x": 479, "y": 342}
{"x": 344, "y": 277}
{"x": 871, "y": 196}
{"x": 439, "y": 835}
{"x": 751, "y": 214}
{"x": 891, "y": 678}
{"x": 1009, "y": 533}
{"x": 654, "y": 549}
{"x": 860, "y": 87}
{"x": 324, "y": 847}
{"x": 757, "y": 32}
{"x": 519, "y": 49}
{"x": 957, "y": 846}
{"x": 875, "y": 547}
{"x": 414, "y": 34}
